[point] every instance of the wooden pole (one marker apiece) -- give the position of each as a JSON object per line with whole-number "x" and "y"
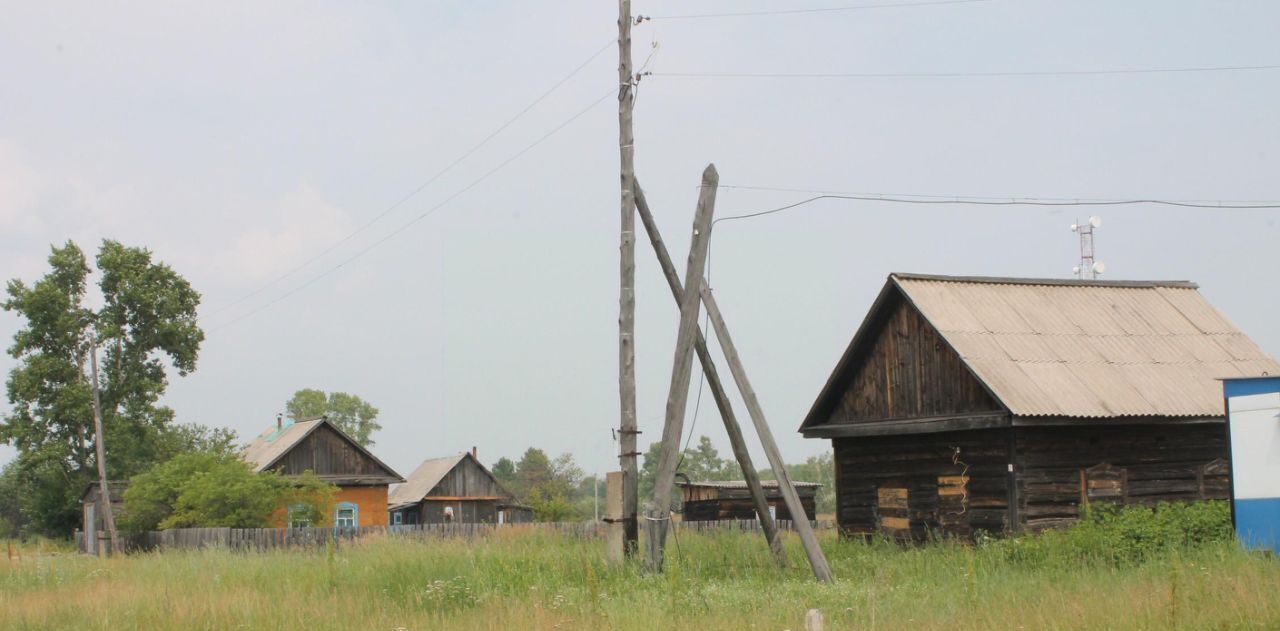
{"x": 678, "y": 394}
{"x": 104, "y": 490}
{"x": 718, "y": 392}
{"x": 627, "y": 428}
{"x": 801, "y": 520}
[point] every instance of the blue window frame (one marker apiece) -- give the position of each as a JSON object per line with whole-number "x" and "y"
{"x": 346, "y": 515}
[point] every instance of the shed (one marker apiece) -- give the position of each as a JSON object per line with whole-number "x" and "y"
{"x": 319, "y": 446}
{"x": 94, "y": 525}
{"x": 1004, "y": 404}
{"x": 715, "y": 501}
{"x": 455, "y": 489}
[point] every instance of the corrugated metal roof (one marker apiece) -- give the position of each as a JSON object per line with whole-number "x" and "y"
{"x": 742, "y": 484}
{"x": 269, "y": 446}
{"x": 1089, "y": 349}
{"x": 423, "y": 479}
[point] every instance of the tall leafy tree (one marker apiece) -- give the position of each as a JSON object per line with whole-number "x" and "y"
{"x": 147, "y": 323}
{"x": 356, "y": 417}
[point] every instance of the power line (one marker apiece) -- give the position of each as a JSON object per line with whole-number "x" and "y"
{"x": 949, "y": 75}
{"x": 1210, "y": 202}
{"x": 856, "y": 7}
{"x": 421, "y": 187}
{"x": 425, "y": 213}
{"x": 988, "y": 202}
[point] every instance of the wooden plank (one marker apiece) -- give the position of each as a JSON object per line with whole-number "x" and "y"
{"x": 817, "y": 560}
{"x": 719, "y": 394}
{"x": 678, "y": 394}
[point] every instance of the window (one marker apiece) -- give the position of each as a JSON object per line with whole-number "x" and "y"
{"x": 299, "y": 516}
{"x": 448, "y": 513}
{"x": 398, "y": 518}
{"x": 347, "y": 515}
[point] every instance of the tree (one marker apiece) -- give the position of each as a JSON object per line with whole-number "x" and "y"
{"x": 353, "y": 415}
{"x": 148, "y": 315}
{"x": 210, "y": 489}
{"x": 505, "y": 471}
{"x": 552, "y": 487}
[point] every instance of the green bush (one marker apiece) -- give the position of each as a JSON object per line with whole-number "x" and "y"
{"x": 1113, "y": 535}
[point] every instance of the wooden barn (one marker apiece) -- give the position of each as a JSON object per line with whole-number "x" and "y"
{"x": 317, "y": 445}
{"x": 455, "y": 489}
{"x": 1001, "y": 404}
{"x": 715, "y": 501}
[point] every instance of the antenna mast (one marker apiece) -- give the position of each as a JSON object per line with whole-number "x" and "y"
{"x": 1088, "y": 269}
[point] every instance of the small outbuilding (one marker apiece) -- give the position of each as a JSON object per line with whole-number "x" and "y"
{"x": 1003, "y": 404}
{"x": 92, "y": 508}
{"x": 455, "y": 489}
{"x": 716, "y": 501}
{"x": 319, "y": 446}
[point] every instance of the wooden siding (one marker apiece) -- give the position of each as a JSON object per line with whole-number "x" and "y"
{"x": 328, "y": 454}
{"x": 909, "y": 371}
{"x": 728, "y": 508}
{"x": 919, "y": 483}
{"x": 1059, "y": 468}
{"x": 468, "y": 479}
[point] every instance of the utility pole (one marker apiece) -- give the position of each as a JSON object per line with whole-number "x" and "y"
{"x": 627, "y": 429}
{"x": 104, "y": 492}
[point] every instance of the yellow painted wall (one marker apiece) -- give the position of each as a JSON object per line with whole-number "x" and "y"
{"x": 372, "y": 501}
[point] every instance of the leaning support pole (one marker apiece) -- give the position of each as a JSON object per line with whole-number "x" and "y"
{"x": 718, "y": 392}
{"x": 660, "y": 506}
{"x": 798, "y": 516}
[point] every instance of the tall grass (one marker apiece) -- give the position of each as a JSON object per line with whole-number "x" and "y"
{"x": 513, "y": 579}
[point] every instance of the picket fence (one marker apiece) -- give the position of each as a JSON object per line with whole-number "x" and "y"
{"x": 260, "y": 539}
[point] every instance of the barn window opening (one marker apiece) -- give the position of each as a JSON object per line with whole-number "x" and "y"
{"x": 448, "y": 513}
{"x": 347, "y": 515}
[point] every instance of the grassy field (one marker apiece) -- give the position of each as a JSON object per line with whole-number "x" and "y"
{"x": 520, "y": 580}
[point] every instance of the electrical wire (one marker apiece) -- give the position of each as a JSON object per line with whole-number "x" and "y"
{"x": 1208, "y": 202}
{"x": 856, "y": 7}
{"x": 1013, "y": 202}
{"x": 940, "y": 75}
{"x": 426, "y": 213}
{"x": 400, "y": 202}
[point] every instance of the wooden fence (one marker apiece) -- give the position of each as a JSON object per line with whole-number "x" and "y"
{"x": 259, "y": 539}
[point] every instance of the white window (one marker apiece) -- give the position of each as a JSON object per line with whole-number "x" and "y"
{"x": 347, "y": 515}
{"x": 448, "y": 513}
{"x": 299, "y": 516}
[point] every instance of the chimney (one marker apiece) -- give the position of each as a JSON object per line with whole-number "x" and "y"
{"x": 473, "y": 454}
{"x": 279, "y": 422}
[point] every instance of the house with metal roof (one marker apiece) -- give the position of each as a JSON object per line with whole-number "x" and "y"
{"x": 729, "y": 500}
{"x": 455, "y": 489}
{"x": 1003, "y": 404}
{"x": 319, "y": 446}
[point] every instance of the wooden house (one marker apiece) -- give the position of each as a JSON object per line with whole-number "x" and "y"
{"x": 1003, "y": 404}
{"x": 317, "y": 445}
{"x": 455, "y": 489}
{"x": 715, "y": 501}
{"x": 93, "y": 517}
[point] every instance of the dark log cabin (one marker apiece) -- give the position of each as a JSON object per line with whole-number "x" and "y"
{"x": 455, "y": 489}
{"x": 715, "y": 501}
{"x": 999, "y": 404}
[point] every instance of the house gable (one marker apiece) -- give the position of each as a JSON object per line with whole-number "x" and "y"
{"x": 899, "y": 375}
{"x": 468, "y": 479}
{"x": 334, "y": 457}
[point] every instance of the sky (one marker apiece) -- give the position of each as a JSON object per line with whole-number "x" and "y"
{"x": 243, "y": 142}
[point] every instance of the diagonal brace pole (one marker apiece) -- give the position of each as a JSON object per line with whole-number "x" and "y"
{"x": 718, "y": 392}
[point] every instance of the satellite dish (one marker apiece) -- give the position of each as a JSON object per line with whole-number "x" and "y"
{"x": 1099, "y": 267}
{"x": 1075, "y": 270}
{"x": 1095, "y": 221}
{"x": 1074, "y": 227}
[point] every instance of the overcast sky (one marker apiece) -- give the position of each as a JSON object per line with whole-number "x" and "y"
{"x": 238, "y": 140}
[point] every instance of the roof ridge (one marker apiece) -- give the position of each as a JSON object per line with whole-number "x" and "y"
{"x": 1070, "y": 282}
